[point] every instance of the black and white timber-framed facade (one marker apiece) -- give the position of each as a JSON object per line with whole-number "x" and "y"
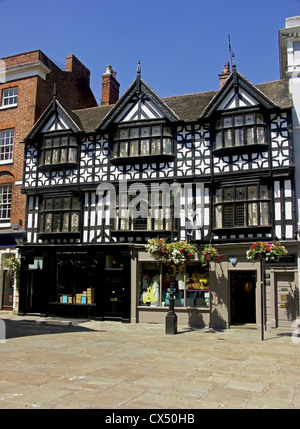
{"x": 230, "y": 154}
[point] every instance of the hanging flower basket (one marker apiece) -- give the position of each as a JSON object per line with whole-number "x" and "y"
{"x": 12, "y": 265}
{"x": 182, "y": 252}
{"x": 177, "y": 253}
{"x": 209, "y": 254}
{"x": 267, "y": 251}
{"x": 159, "y": 249}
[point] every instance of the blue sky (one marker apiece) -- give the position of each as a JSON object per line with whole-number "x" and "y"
{"x": 182, "y": 44}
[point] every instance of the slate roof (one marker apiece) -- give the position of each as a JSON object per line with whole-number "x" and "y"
{"x": 189, "y": 107}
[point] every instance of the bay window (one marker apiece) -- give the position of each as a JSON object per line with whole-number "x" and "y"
{"x": 240, "y": 130}
{"x": 242, "y": 206}
{"x": 147, "y": 140}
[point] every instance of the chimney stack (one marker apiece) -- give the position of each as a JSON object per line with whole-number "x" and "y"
{"x": 110, "y": 87}
{"x": 225, "y": 74}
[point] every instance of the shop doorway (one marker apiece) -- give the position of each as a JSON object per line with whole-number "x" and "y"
{"x": 113, "y": 297}
{"x": 242, "y": 299}
{"x": 8, "y": 292}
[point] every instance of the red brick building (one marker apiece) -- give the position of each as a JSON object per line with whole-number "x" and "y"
{"x": 27, "y": 82}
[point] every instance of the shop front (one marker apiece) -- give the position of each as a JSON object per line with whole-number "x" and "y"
{"x": 89, "y": 282}
{"x": 219, "y": 295}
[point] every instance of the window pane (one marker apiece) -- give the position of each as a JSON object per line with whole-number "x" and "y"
{"x": 218, "y": 216}
{"x": 63, "y": 155}
{"x": 75, "y": 222}
{"x": 57, "y": 204}
{"x": 264, "y": 193}
{"x": 65, "y": 226}
{"x": 197, "y": 286}
{"x": 228, "y": 215}
{"x": 240, "y": 209}
{"x": 228, "y": 138}
{"x": 227, "y": 122}
{"x": 252, "y": 214}
{"x": 123, "y": 133}
{"x": 123, "y": 149}
{"x": 218, "y": 143}
{"x": 238, "y": 120}
{"x": 134, "y": 148}
{"x": 48, "y": 222}
{"x": 155, "y": 147}
{"x": 249, "y": 135}
{"x": 149, "y": 290}
{"x": 76, "y": 204}
{"x": 249, "y": 119}
{"x": 134, "y": 132}
{"x": 55, "y": 156}
{"x": 228, "y": 194}
{"x": 264, "y": 213}
{"x": 72, "y": 154}
{"x": 145, "y": 131}
{"x": 115, "y": 149}
{"x": 66, "y": 203}
{"x": 5, "y": 202}
{"x": 239, "y": 136}
{"x": 260, "y": 135}
{"x": 167, "y": 131}
{"x": 145, "y": 147}
{"x": 156, "y": 130}
{"x": 6, "y": 144}
{"x": 260, "y": 118}
{"x": 252, "y": 192}
{"x": 48, "y": 157}
{"x": 240, "y": 193}
{"x": 167, "y": 146}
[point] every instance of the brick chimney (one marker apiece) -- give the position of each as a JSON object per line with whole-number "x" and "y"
{"x": 225, "y": 74}
{"x": 110, "y": 87}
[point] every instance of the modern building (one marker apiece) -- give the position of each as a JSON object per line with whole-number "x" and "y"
{"x": 214, "y": 168}
{"x": 27, "y": 82}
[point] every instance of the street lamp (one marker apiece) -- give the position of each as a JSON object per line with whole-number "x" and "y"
{"x": 171, "y": 318}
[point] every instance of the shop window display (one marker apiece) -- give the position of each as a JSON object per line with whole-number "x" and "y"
{"x": 191, "y": 285}
{"x": 150, "y": 285}
{"x": 75, "y": 281}
{"x": 197, "y": 286}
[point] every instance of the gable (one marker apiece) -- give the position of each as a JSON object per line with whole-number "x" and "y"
{"x": 237, "y": 98}
{"x": 55, "y": 123}
{"x": 140, "y": 107}
{"x": 237, "y": 92}
{"x": 55, "y": 118}
{"x": 138, "y": 103}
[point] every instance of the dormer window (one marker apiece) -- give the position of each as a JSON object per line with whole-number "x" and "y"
{"x": 58, "y": 151}
{"x": 144, "y": 141}
{"x": 240, "y": 130}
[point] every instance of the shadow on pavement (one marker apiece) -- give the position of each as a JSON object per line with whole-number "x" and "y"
{"x": 24, "y": 328}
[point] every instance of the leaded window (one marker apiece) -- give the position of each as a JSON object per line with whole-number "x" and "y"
{"x": 240, "y": 130}
{"x": 60, "y": 214}
{"x": 57, "y": 150}
{"x": 242, "y": 206}
{"x": 142, "y": 141}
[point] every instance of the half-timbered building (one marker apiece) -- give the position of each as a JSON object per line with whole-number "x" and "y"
{"x": 96, "y": 181}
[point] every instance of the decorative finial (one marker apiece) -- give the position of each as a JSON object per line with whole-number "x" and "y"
{"x": 139, "y": 68}
{"x": 54, "y": 91}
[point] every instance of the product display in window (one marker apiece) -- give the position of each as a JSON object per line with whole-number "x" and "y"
{"x": 197, "y": 287}
{"x": 150, "y": 285}
{"x": 190, "y": 284}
